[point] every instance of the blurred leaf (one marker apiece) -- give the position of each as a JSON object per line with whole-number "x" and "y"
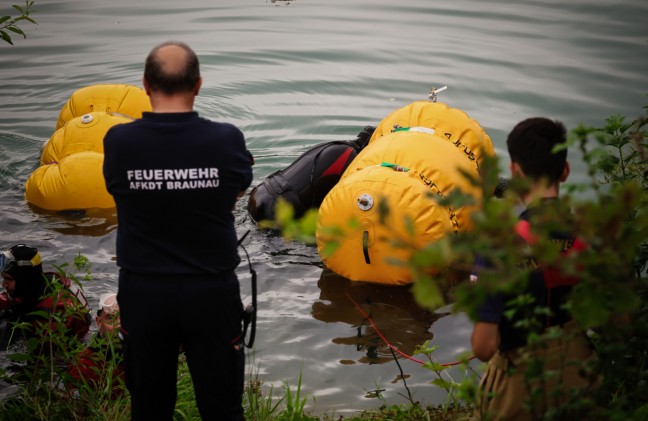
{"x": 427, "y": 293}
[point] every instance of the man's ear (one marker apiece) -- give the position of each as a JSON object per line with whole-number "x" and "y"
{"x": 565, "y": 172}
{"x": 516, "y": 170}
{"x": 146, "y": 87}
{"x": 198, "y": 85}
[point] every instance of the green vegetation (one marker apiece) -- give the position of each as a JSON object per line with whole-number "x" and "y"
{"x": 7, "y": 23}
{"x": 611, "y": 302}
{"x": 611, "y": 299}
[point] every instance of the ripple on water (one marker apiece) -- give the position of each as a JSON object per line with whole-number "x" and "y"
{"x": 295, "y": 76}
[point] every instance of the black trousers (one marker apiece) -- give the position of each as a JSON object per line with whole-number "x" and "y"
{"x": 203, "y": 314}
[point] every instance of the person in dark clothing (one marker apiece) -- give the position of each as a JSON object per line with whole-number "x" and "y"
{"x": 305, "y": 182}
{"x": 29, "y": 289}
{"x": 175, "y": 178}
{"x": 499, "y": 335}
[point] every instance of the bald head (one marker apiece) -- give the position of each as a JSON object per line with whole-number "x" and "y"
{"x": 172, "y": 68}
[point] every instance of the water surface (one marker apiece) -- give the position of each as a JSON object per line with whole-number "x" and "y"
{"x": 294, "y": 74}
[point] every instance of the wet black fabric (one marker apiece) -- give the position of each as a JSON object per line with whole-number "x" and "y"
{"x": 305, "y": 182}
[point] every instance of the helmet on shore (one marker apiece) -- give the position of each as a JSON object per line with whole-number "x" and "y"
{"x": 23, "y": 264}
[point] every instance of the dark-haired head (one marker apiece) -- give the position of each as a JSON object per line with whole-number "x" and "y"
{"x": 171, "y": 68}
{"x": 530, "y": 145}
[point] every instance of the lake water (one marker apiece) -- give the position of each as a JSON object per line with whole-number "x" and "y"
{"x": 295, "y": 74}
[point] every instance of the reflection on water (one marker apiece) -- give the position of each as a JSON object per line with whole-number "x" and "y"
{"x": 294, "y": 74}
{"x": 84, "y": 222}
{"x": 379, "y": 315}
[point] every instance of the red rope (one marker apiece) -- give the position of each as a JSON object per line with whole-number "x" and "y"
{"x": 388, "y": 343}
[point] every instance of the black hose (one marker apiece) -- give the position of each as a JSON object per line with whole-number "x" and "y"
{"x": 250, "y": 312}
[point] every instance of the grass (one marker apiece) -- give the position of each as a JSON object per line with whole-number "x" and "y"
{"x": 260, "y": 403}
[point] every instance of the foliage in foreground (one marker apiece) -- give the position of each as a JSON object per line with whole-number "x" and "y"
{"x": 611, "y": 302}
{"x": 7, "y": 23}
{"x": 46, "y": 390}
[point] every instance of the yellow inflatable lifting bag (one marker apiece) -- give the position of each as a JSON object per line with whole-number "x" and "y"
{"x": 377, "y": 206}
{"x": 128, "y": 100}
{"x": 383, "y": 207}
{"x": 452, "y": 123}
{"x": 71, "y": 171}
{"x": 73, "y": 183}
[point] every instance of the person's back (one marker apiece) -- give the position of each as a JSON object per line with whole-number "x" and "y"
{"x": 175, "y": 178}
{"x": 501, "y": 333}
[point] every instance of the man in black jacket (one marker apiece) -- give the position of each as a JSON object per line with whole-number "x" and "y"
{"x": 175, "y": 178}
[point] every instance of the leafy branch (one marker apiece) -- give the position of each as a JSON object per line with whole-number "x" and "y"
{"x": 9, "y": 24}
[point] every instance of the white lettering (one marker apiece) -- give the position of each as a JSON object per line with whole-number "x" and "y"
{"x": 173, "y": 179}
{"x": 145, "y": 185}
{"x": 180, "y": 174}
{"x": 192, "y": 184}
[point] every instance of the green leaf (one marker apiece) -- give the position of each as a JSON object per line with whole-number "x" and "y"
{"x": 308, "y": 222}
{"x": 5, "y": 36}
{"x": 4, "y": 18}
{"x": 443, "y": 383}
{"x": 433, "y": 366}
{"x": 426, "y": 348}
{"x": 18, "y": 8}
{"x": 329, "y": 248}
{"x": 17, "y": 30}
{"x": 428, "y": 294}
{"x": 80, "y": 261}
